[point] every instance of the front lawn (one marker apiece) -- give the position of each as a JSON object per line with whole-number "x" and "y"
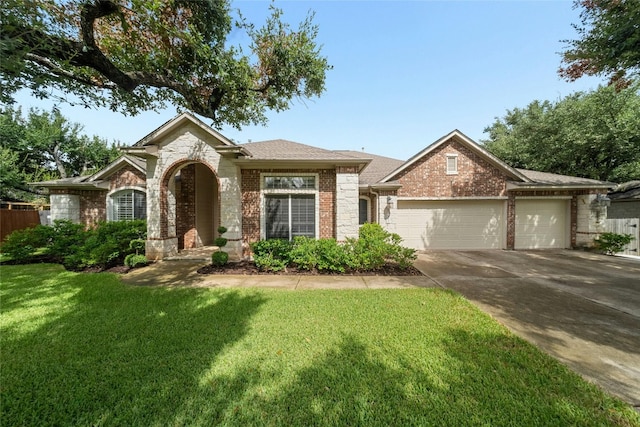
{"x": 85, "y": 349}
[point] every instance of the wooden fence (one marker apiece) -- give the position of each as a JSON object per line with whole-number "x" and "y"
{"x": 17, "y": 218}
{"x": 626, "y": 226}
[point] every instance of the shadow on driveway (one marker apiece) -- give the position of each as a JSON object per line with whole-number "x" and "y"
{"x": 582, "y": 308}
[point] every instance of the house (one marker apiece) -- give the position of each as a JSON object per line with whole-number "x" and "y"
{"x": 186, "y": 179}
{"x": 625, "y": 200}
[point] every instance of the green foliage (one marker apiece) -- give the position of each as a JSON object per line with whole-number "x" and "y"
{"x": 220, "y": 242}
{"x": 608, "y": 43}
{"x": 140, "y": 55}
{"x": 612, "y": 243}
{"x": 219, "y": 258}
{"x": 376, "y": 246}
{"x": 271, "y": 255}
{"x": 372, "y": 250}
{"x": 71, "y": 245}
{"x": 592, "y": 134}
{"x": 135, "y": 261}
{"x": 42, "y": 146}
{"x": 222, "y": 229}
{"x": 21, "y": 245}
{"x": 166, "y": 355}
{"x": 138, "y": 245}
{"x": 110, "y": 242}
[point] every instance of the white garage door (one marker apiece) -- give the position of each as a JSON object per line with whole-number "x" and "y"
{"x": 451, "y": 224}
{"x": 541, "y": 224}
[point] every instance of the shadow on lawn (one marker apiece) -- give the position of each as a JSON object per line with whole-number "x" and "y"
{"x": 484, "y": 381}
{"x": 120, "y": 355}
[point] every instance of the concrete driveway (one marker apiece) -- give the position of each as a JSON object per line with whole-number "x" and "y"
{"x": 582, "y": 308}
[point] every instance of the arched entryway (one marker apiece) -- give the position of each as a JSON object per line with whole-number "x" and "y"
{"x": 190, "y": 204}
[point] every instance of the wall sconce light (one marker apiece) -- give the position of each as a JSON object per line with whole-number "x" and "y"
{"x": 388, "y": 200}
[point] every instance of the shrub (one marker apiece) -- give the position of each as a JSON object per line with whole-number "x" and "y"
{"x": 272, "y": 254}
{"x": 219, "y": 258}
{"x": 375, "y": 247}
{"x": 110, "y": 242}
{"x": 22, "y": 244}
{"x": 135, "y": 260}
{"x": 67, "y": 238}
{"x": 138, "y": 245}
{"x": 220, "y": 242}
{"x": 304, "y": 253}
{"x": 612, "y": 243}
{"x": 331, "y": 255}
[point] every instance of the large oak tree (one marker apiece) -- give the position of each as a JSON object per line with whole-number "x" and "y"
{"x": 608, "y": 44}
{"x": 592, "y": 134}
{"x": 134, "y": 55}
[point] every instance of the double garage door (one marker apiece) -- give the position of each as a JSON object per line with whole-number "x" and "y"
{"x": 481, "y": 224}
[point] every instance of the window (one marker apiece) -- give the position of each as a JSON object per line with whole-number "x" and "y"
{"x": 290, "y": 215}
{"x": 289, "y": 206}
{"x": 290, "y": 182}
{"x": 452, "y": 164}
{"x": 363, "y": 211}
{"x": 128, "y": 205}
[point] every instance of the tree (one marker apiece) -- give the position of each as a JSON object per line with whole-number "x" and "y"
{"x": 42, "y": 146}
{"x": 138, "y": 55}
{"x": 608, "y": 43}
{"x": 594, "y": 135}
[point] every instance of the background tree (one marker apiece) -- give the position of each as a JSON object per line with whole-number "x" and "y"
{"x": 138, "y": 55}
{"x": 608, "y": 43}
{"x": 594, "y": 135}
{"x": 45, "y": 145}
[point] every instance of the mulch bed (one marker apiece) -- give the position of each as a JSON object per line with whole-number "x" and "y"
{"x": 249, "y": 268}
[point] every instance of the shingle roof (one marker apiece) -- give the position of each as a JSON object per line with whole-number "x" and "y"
{"x": 555, "y": 179}
{"x": 281, "y": 149}
{"x": 379, "y": 167}
{"x": 626, "y": 191}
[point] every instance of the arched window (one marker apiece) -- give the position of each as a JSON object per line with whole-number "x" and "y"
{"x": 128, "y": 205}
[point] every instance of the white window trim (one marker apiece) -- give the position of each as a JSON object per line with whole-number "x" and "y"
{"x": 267, "y": 191}
{"x": 117, "y": 190}
{"x": 455, "y": 157}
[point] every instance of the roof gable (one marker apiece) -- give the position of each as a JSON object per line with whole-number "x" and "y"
{"x": 177, "y": 122}
{"x": 468, "y": 143}
{"x": 107, "y": 171}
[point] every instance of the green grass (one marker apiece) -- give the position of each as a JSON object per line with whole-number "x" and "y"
{"x": 85, "y": 349}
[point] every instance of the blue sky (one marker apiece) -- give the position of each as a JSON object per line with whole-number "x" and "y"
{"x": 404, "y": 73}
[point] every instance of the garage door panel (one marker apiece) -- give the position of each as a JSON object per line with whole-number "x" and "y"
{"x": 541, "y": 224}
{"x": 451, "y": 225}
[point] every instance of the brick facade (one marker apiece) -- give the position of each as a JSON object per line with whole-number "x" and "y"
{"x": 250, "y": 185}
{"x": 127, "y": 176}
{"x": 475, "y": 178}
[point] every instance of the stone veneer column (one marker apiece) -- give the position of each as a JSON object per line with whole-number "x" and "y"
{"x": 65, "y": 206}
{"x": 589, "y": 222}
{"x": 346, "y": 202}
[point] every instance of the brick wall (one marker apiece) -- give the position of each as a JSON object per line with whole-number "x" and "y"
{"x": 127, "y": 176}
{"x": 250, "y": 184}
{"x": 186, "y": 208}
{"x": 475, "y": 178}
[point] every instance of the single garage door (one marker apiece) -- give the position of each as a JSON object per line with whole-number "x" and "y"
{"x": 451, "y": 224}
{"x": 541, "y": 224}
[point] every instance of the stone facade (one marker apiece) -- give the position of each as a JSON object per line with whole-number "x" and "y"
{"x": 178, "y": 150}
{"x": 346, "y": 202}
{"x": 82, "y": 206}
